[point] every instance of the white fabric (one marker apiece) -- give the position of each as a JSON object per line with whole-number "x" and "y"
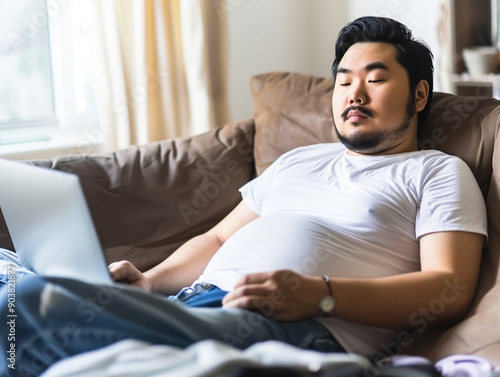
{"x": 464, "y": 366}
{"x": 197, "y": 70}
{"x": 158, "y": 70}
{"x": 134, "y": 358}
{"x": 324, "y": 211}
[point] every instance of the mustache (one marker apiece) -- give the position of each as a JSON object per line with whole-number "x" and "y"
{"x": 361, "y": 109}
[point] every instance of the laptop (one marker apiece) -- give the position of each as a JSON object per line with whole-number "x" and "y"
{"x": 50, "y": 224}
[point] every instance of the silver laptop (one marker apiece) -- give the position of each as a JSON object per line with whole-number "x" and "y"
{"x": 50, "y": 224}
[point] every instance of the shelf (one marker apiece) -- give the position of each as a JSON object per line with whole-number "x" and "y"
{"x": 482, "y": 85}
{"x": 466, "y": 79}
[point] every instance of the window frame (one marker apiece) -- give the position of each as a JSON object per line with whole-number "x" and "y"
{"x": 66, "y": 132}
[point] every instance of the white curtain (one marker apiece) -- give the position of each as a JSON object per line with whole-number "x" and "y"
{"x": 159, "y": 69}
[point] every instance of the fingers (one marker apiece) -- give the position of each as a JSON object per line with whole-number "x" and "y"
{"x": 282, "y": 295}
{"x": 260, "y": 292}
{"x": 271, "y": 304}
{"x": 119, "y": 270}
{"x": 249, "y": 287}
{"x": 125, "y": 272}
{"x": 243, "y": 295}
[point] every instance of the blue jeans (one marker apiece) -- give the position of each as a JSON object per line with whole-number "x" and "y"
{"x": 54, "y": 318}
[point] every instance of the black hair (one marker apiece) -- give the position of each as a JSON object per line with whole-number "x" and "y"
{"x": 415, "y": 56}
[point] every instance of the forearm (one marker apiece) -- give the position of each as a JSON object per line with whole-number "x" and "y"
{"x": 441, "y": 293}
{"x": 184, "y": 266}
{"x": 402, "y": 301}
{"x": 188, "y": 262}
{"x": 399, "y": 301}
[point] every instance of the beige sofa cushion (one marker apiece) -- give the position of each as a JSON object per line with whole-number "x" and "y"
{"x": 290, "y": 110}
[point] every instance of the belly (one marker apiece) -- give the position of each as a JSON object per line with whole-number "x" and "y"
{"x": 273, "y": 242}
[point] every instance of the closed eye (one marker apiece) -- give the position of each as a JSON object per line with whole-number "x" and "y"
{"x": 345, "y": 84}
{"x": 375, "y": 81}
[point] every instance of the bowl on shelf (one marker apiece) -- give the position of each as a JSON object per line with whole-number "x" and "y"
{"x": 480, "y": 60}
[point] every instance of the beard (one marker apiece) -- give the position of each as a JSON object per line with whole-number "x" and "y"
{"x": 375, "y": 141}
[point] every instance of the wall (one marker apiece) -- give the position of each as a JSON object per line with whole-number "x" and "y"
{"x": 278, "y": 35}
{"x": 299, "y": 36}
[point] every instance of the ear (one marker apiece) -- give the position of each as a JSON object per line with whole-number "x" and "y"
{"x": 421, "y": 95}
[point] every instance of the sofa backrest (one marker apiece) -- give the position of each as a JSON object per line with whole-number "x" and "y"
{"x": 293, "y": 109}
{"x": 148, "y": 200}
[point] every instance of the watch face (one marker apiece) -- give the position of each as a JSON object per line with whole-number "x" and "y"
{"x": 326, "y": 304}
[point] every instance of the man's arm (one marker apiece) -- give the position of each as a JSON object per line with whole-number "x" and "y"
{"x": 440, "y": 293}
{"x": 187, "y": 263}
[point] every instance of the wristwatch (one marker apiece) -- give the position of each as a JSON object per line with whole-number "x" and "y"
{"x": 327, "y": 303}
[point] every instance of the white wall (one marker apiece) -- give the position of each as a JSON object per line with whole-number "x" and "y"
{"x": 278, "y": 35}
{"x": 299, "y": 36}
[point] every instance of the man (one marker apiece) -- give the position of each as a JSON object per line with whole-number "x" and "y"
{"x": 335, "y": 247}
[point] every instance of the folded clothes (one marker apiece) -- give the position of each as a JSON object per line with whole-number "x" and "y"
{"x": 131, "y": 358}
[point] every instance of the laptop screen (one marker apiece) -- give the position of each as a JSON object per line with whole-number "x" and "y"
{"x": 50, "y": 224}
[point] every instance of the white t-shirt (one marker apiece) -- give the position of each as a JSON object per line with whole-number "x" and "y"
{"x": 323, "y": 211}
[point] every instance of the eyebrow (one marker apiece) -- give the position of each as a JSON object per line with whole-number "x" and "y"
{"x": 370, "y": 67}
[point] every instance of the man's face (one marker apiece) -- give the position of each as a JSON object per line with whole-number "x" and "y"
{"x": 370, "y": 101}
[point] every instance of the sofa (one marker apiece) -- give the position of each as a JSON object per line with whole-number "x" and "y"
{"x": 147, "y": 200}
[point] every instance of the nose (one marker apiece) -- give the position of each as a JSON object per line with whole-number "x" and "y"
{"x": 357, "y": 95}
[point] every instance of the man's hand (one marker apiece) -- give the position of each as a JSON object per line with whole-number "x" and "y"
{"x": 126, "y": 272}
{"x": 283, "y": 295}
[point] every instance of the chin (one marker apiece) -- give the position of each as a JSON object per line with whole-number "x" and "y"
{"x": 363, "y": 142}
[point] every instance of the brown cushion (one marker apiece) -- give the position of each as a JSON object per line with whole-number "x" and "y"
{"x": 146, "y": 201}
{"x": 465, "y": 127}
{"x": 290, "y": 110}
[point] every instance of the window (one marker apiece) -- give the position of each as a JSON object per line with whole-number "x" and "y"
{"x": 45, "y": 71}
